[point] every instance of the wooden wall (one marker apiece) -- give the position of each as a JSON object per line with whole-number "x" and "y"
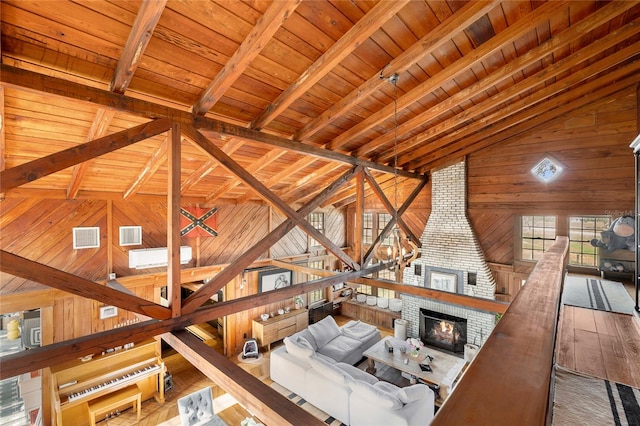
{"x": 41, "y": 230}
{"x": 598, "y": 179}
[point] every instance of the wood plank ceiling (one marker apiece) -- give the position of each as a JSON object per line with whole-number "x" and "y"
{"x": 304, "y": 73}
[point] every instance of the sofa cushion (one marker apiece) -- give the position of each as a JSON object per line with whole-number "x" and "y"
{"x": 298, "y": 347}
{"x": 324, "y": 331}
{"x": 308, "y": 337}
{"x": 412, "y": 393}
{"x": 340, "y": 347}
{"x": 358, "y": 330}
{"x": 375, "y": 394}
{"x": 329, "y": 371}
{"x": 356, "y": 373}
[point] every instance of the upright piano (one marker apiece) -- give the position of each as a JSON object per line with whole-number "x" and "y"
{"x": 75, "y": 383}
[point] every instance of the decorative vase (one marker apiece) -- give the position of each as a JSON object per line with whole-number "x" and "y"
{"x": 414, "y": 353}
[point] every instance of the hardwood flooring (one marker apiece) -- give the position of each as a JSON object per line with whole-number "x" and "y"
{"x": 600, "y": 344}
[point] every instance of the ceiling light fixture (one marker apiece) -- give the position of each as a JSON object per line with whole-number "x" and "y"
{"x": 397, "y": 251}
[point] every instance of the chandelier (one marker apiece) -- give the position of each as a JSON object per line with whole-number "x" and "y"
{"x": 402, "y": 251}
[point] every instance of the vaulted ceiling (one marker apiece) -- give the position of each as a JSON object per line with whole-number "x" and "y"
{"x": 295, "y": 91}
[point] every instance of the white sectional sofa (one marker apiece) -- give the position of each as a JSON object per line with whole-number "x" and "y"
{"x": 317, "y": 364}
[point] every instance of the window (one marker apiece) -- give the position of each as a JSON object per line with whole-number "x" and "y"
{"x": 315, "y": 295}
{"x": 365, "y": 289}
{"x": 367, "y": 228}
{"x": 383, "y": 292}
{"x": 383, "y": 219}
{"x": 316, "y": 220}
{"x": 538, "y": 234}
{"x": 582, "y": 229}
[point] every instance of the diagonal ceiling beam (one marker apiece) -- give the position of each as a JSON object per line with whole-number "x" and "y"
{"x": 252, "y": 45}
{"x": 202, "y": 294}
{"x": 387, "y": 204}
{"x": 43, "y": 274}
{"x": 157, "y": 159}
{"x": 443, "y": 33}
{"x": 264, "y": 192}
{"x": 359, "y": 33}
{"x": 414, "y": 194}
{"x": 28, "y": 172}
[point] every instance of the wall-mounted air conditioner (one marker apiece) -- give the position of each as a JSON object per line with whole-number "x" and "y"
{"x": 156, "y": 257}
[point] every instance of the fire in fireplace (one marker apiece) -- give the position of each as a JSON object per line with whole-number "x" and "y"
{"x": 443, "y": 331}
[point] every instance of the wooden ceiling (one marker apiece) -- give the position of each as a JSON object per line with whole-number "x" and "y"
{"x": 293, "y": 91}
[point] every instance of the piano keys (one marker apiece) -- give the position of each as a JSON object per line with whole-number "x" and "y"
{"x": 75, "y": 383}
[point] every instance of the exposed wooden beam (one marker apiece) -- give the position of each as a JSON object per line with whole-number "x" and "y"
{"x": 266, "y": 194}
{"x": 521, "y": 347}
{"x": 434, "y": 39}
{"x": 255, "y": 167}
{"x": 477, "y": 303}
{"x": 511, "y": 94}
{"x": 45, "y": 356}
{"x": 29, "y": 80}
{"x": 257, "y": 397}
{"x": 414, "y": 194}
{"x": 28, "y": 172}
{"x": 43, "y": 274}
{"x": 156, "y": 160}
{"x": 145, "y": 23}
{"x": 173, "y": 221}
{"x": 387, "y": 204}
{"x": 515, "y": 31}
{"x": 139, "y": 37}
{"x": 220, "y": 280}
{"x": 358, "y": 34}
{"x": 210, "y": 165}
{"x": 252, "y": 45}
{"x": 571, "y": 34}
{"x": 541, "y": 112}
{"x": 99, "y": 127}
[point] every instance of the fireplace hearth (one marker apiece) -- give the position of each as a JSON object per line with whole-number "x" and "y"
{"x": 443, "y": 331}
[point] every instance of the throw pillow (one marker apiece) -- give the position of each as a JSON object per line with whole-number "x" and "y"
{"x": 297, "y": 348}
{"x": 376, "y": 395}
{"x": 413, "y": 393}
{"x": 324, "y": 331}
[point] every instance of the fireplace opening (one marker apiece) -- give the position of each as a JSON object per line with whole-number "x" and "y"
{"x": 443, "y": 331}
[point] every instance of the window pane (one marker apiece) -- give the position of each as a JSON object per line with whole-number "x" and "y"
{"x": 583, "y": 229}
{"x": 538, "y": 234}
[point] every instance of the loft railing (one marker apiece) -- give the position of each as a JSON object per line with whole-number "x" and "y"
{"x": 509, "y": 381}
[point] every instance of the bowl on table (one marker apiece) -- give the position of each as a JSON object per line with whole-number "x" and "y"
{"x": 372, "y": 300}
{"x": 361, "y": 298}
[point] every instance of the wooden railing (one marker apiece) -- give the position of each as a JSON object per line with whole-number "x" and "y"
{"x": 510, "y": 379}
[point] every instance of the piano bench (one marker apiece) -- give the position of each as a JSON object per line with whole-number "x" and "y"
{"x": 130, "y": 394}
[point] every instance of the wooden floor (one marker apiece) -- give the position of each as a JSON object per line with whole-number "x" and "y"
{"x": 600, "y": 344}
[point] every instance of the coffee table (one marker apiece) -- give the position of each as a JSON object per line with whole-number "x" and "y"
{"x": 445, "y": 367}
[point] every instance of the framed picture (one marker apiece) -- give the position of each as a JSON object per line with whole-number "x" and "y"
{"x": 443, "y": 281}
{"x": 274, "y": 279}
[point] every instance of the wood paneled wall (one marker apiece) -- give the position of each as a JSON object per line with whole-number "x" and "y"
{"x": 592, "y": 144}
{"x": 41, "y": 230}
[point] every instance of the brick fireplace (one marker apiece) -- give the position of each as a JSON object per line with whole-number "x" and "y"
{"x": 451, "y": 259}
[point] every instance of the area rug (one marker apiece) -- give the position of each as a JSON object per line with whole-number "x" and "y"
{"x": 584, "y": 400}
{"x": 593, "y": 293}
{"x": 315, "y": 412}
